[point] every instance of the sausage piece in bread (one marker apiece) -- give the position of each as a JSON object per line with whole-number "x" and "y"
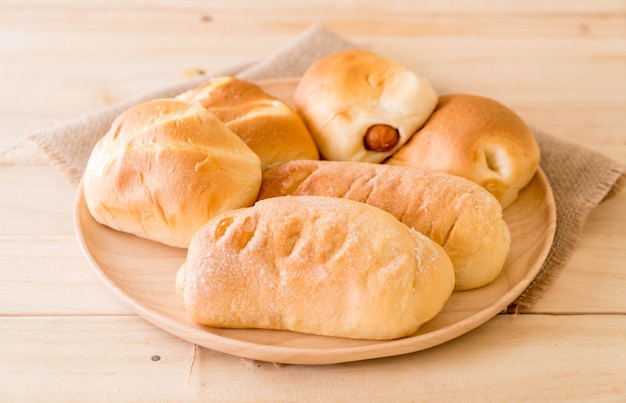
{"x": 360, "y": 106}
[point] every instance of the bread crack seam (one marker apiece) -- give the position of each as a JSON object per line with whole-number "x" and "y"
{"x": 447, "y": 237}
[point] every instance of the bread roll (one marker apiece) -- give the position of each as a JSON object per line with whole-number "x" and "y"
{"x": 317, "y": 265}
{"x": 165, "y": 168}
{"x": 362, "y": 107}
{"x": 452, "y": 211}
{"x": 477, "y": 138}
{"x": 274, "y": 131}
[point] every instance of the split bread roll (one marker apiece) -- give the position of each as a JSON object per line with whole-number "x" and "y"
{"x": 274, "y": 131}
{"x": 477, "y": 138}
{"x": 165, "y": 168}
{"x": 318, "y": 265}
{"x": 454, "y": 212}
{"x": 362, "y": 107}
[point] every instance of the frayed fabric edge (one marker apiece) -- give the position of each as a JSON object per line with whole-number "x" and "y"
{"x": 610, "y": 184}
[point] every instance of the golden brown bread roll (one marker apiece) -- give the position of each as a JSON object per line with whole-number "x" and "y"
{"x": 477, "y": 138}
{"x": 452, "y": 211}
{"x": 319, "y": 265}
{"x": 274, "y": 131}
{"x": 164, "y": 168}
{"x": 362, "y": 107}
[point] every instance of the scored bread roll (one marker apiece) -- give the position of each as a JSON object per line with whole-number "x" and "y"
{"x": 360, "y": 106}
{"x": 164, "y": 168}
{"x": 274, "y": 131}
{"x": 452, "y": 211}
{"x": 318, "y": 265}
{"x": 477, "y": 138}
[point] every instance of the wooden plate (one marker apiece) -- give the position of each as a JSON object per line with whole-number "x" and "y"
{"x": 142, "y": 273}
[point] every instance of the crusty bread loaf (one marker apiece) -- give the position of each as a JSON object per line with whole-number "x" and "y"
{"x": 319, "y": 265}
{"x": 452, "y": 211}
{"x": 274, "y": 131}
{"x": 477, "y": 138}
{"x": 360, "y": 106}
{"x": 164, "y": 168}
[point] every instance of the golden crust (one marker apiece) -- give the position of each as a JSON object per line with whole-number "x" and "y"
{"x": 164, "y": 168}
{"x": 274, "y": 131}
{"x": 318, "y": 265}
{"x": 454, "y": 212}
{"x": 342, "y": 95}
{"x": 477, "y": 138}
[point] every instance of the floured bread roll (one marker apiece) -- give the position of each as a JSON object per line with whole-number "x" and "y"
{"x": 452, "y": 211}
{"x": 319, "y": 265}
{"x": 362, "y": 107}
{"x": 165, "y": 168}
{"x": 477, "y": 138}
{"x": 267, "y": 125}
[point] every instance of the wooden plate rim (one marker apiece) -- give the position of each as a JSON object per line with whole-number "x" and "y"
{"x": 299, "y": 355}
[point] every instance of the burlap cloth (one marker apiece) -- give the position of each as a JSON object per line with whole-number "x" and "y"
{"x": 580, "y": 178}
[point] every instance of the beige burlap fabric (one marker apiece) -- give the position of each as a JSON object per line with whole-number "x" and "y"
{"x": 68, "y": 147}
{"x": 580, "y": 178}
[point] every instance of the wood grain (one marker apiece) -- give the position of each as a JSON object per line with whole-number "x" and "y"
{"x": 96, "y": 359}
{"x": 86, "y": 68}
{"x": 64, "y": 336}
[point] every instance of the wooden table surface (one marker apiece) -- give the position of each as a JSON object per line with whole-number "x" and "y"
{"x": 64, "y": 337}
